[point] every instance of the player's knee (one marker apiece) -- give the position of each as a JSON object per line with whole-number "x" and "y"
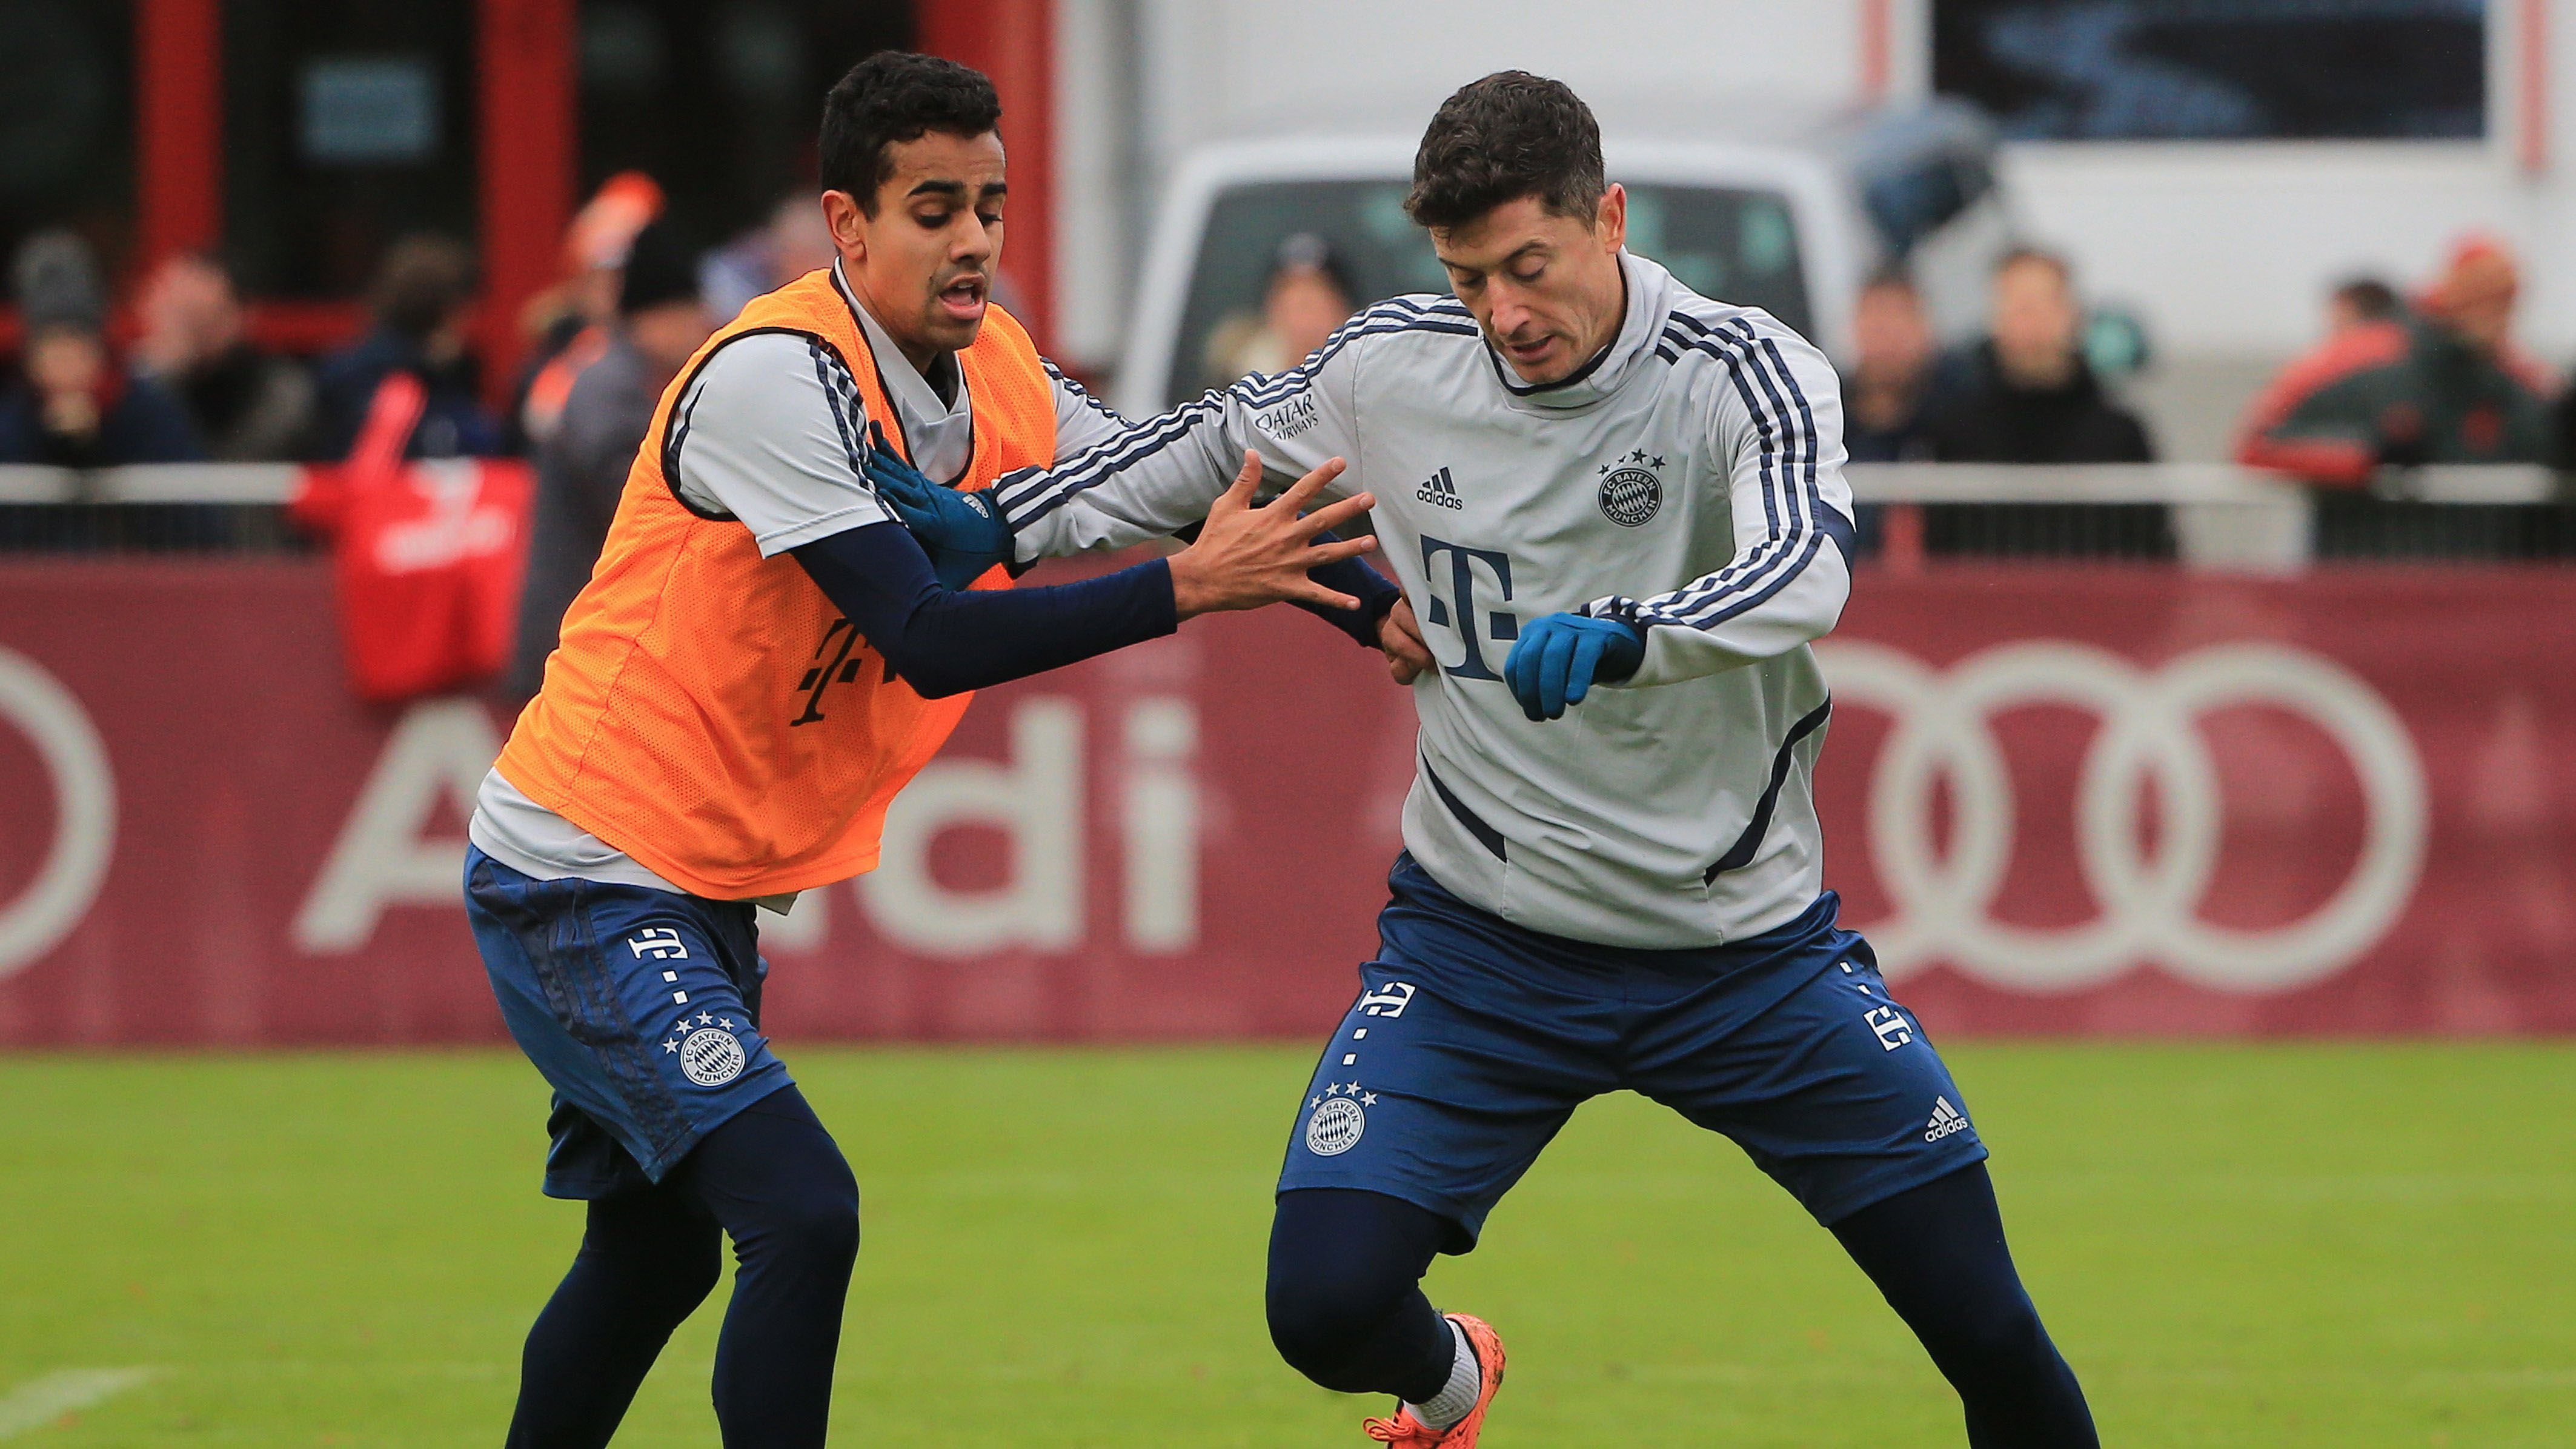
{"x": 1998, "y": 1350}
{"x": 1318, "y": 1316}
{"x": 818, "y": 1222}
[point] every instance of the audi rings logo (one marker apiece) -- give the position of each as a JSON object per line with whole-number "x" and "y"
{"x": 1944, "y": 901}
{"x": 36, "y": 704}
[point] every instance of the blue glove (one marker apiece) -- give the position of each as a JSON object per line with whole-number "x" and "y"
{"x": 1559, "y": 657}
{"x": 962, "y": 532}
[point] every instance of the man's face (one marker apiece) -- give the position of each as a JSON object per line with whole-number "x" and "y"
{"x": 2485, "y": 319}
{"x": 1891, "y": 338}
{"x": 66, "y": 360}
{"x": 190, "y": 305}
{"x": 923, "y": 264}
{"x": 667, "y": 334}
{"x": 1545, "y": 288}
{"x": 2035, "y": 318}
{"x": 1303, "y": 308}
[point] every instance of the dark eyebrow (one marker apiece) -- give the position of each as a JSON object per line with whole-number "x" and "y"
{"x": 1524, "y": 249}
{"x": 955, "y": 189}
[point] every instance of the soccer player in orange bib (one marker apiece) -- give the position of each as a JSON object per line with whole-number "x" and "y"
{"x": 761, "y": 660}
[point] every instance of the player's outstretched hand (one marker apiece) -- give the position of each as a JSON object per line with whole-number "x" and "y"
{"x": 962, "y": 532}
{"x": 1558, "y": 659}
{"x": 1399, "y": 635}
{"x": 1245, "y": 557}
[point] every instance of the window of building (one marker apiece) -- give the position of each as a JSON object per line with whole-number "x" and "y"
{"x": 718, "y": 102}
{"x": 348, "y": 124}
{"x": 67, "y": 123}
{"x": 2210, "y": 70}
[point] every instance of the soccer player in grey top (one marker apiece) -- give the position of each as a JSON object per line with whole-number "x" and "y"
{"x": 1618, "y": 509}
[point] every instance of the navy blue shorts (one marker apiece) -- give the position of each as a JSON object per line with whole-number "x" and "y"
{"x": 1474, "y": 1039}
{"x": 641, "y": 1007}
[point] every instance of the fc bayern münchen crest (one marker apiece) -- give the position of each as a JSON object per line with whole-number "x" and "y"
{"x": 712, "y": 1056}
{"x": 1335, "y": 1127}
{"x": 1630, "y": 494}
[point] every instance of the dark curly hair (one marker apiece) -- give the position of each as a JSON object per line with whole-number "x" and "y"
{"x": 1507, "y": 136}
{"x": 894, "y": 96}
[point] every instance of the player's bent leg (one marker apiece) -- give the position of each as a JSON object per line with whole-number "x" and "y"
{"x": 1937, "y": 1253}
{"x": 1347, "y": 1310}
{"x": 1469, "y": 1045}
{"x": 1345, "y": 1294}
{"x": 1802, "y": 1056}
{"x": 775, "y": 1180}
{"x": 647, "y": 1259}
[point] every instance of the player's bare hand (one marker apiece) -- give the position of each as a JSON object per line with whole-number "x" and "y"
{"x": 1246, "y": 557}
{"x": 1399, "y": 634}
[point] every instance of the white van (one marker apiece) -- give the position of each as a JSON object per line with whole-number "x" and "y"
{"x": 1791, "y": 227}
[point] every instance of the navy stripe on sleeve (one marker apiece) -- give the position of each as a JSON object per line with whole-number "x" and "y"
{"x": 1794, "y": 509}
{"x": 1042, "y": 493}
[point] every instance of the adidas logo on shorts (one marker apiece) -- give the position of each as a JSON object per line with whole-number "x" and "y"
{"x": 1946, "y": 1119}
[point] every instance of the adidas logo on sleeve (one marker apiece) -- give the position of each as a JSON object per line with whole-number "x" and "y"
{"x": 1946, "y": 1119}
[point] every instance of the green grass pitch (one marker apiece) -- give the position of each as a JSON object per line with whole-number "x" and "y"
{"x": 2327, "y": 1245}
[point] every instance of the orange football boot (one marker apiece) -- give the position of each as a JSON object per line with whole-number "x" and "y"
{"x": 1407, "y": 1432}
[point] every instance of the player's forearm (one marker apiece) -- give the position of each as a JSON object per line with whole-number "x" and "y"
{"x": 1378, "y": 596}
{"x": 1146, "y": 483}
{"x": 1087, "y": 524}
{"x": 1153, "y": 478}
{"x": 942, "y": 642}
{"x": 1698, "y": 631}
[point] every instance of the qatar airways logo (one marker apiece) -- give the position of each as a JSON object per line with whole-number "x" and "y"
{"x": 1290, "y": 419}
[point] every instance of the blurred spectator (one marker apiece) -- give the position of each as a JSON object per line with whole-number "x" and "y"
{"x": 568, "y": 323}
{"x": 1891, "y": 372}
{"x": 1307, "y": 294}
{"x": 2025, "y": 394}
{"x": 422, "y": 299}
{"x": 2359, "y": 302}
{"x": 246, "y": 403}
{"x": 2444, "y": 385}
{"x": 77, "y": 406}
{"x": 791, "y": 243}
{"x": 582, "y": 467}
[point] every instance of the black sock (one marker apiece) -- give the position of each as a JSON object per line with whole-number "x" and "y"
{"x": 771, "y": 1179}
{"x": 1937, "y": 1252}
{"x": 779, "y": 1185}
{"x": 1345, "y": 1296}
{"x": 647, "y": 1259}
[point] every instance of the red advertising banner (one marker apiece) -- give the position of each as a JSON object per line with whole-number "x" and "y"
{"x": 2101, "y": 800}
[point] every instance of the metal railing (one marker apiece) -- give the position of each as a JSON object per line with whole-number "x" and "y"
{"x": 2208, "y": 515}
{"x": 202, "y": 508}
{"x": 2203, "y": 515}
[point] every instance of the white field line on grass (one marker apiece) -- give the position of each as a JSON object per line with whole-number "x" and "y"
{"x": 41, "y": 1401}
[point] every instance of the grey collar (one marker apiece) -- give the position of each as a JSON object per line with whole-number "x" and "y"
{"x": 1610, "y": 368}
{"x": 924, "y": 415}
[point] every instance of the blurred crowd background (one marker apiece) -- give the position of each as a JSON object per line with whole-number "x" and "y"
{"x": 229, "y": 221}
{"x": 2218, "y": 345}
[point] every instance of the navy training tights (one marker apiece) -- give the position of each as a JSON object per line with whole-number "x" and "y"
{"x": 772, "y": 1180}
{"x": 1347, "y": 1308}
